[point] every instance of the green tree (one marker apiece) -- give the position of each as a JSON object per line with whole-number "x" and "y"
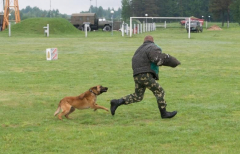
{"x": 142, "y": 7}
{"x": 219, "y": 8}
{"x": 30, "y": 12}
{"x": 235, "y": 8}
{"x": 126, "y": 9}
{"x": 195, "y": 8}
{"x": 100, "y": 12}
{"x": 137, "y": 8}
{"x": 151, "y": 8}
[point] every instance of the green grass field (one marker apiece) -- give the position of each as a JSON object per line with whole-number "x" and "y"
{"x": 204, "y": 90}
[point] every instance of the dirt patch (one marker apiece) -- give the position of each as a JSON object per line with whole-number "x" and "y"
{"x": 214, "y": 27}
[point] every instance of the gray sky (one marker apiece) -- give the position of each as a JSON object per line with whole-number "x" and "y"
{"x": 66, "y": 6}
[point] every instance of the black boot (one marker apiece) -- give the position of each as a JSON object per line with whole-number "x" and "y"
{"x": 115, "y": 103}
{"x": 165, "y": 114}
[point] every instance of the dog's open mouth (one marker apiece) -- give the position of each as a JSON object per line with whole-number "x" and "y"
{"x": 104, "y": 90}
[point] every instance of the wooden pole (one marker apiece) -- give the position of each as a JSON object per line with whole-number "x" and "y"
{"x": 7, "y": 11}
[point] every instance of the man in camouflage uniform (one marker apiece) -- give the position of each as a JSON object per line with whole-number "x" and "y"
{"x": 145, "y": 65}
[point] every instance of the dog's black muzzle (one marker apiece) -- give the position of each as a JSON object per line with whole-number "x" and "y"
{"x": 103, "y": 89}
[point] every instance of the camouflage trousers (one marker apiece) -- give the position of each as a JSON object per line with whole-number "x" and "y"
{"x": 143, "y": 81}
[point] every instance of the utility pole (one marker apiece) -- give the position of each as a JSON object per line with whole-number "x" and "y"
{"x": 90, "y": 6}
{"x": 3, "y": 4}
{"x": 96, "y": 7}
{"x": 50, "y": 9}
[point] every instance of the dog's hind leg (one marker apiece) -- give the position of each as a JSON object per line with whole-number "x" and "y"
{"x": 65, "y": 110}
{"x": 71, "y": 110}
{"x": 61, "y": 114}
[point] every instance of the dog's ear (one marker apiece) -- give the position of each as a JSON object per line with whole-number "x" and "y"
{"x": 98, "y": 88}
{"x": 94, "y": 89}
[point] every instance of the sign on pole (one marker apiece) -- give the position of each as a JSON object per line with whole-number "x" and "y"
{"x": 46, "y": 30}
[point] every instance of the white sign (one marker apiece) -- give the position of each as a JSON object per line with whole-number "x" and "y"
{"x": 52, "y": 53}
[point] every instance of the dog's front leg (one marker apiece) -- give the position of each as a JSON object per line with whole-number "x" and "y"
{"x": 95, "y": 107}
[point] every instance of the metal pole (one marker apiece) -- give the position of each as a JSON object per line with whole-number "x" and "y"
{"x": 112, "y": 12}
{"x": 47, "y": 30}
{"x": 130, "y": 26}
{"x": 123, "y": 29}
{"x": 96, "y": 7}
{"x": 3, "y": 4}
{"x": 141, "y": 26}
{"x": 144, "y": 25}
{"x": 90, "y": 6}
{"x": 189, "y": 26}
{"x": 134, "y": 28}
{"x": 138, "y": 28}
{"x": 112, "y": 24}
{"x": 85, "y": 28}
{"x": 50, "y": 9}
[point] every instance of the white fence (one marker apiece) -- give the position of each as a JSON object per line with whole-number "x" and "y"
{"x": 138, "y": 28}
{"x": 148, "y": 27}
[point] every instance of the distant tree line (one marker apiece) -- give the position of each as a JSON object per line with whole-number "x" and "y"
{"x": 101, "y": 13}
{"x": 217, "y": 10}
{"x": 33, "y": 12}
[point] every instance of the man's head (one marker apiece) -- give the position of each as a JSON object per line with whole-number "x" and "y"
{"x": 148, "y": 38}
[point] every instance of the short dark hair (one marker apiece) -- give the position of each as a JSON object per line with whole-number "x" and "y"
{"x": 148, "y": 38}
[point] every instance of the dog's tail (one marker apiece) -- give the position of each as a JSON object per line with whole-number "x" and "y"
{"x": 58, "y": 110}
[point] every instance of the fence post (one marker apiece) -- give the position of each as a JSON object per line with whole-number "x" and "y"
{"x": 138, "y": 28}
{"x": 123, "y": 29}
{"x": 143, "y": 26}
{"x": 9, "y": 29}
{"x": 85, "y": 29}
{"x": 134, "y": 29}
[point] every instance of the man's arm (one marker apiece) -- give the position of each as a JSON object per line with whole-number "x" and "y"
{"x": 161, "y": 59}
{"x": 156, "y": 56}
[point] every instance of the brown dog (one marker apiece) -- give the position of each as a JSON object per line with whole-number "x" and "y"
{"x": 84, "y": 101}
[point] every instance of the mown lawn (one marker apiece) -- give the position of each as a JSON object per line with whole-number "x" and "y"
{"x": 204, "y": 90}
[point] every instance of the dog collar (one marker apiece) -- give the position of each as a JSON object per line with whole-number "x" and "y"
{"x": 92, "y": 91}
